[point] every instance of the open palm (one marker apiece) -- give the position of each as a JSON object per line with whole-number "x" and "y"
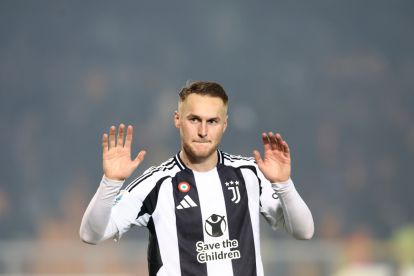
{"x": 275, "y": 164}
{"x": 116, "y": 154}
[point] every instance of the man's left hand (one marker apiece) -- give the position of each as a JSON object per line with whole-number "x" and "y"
{"x": 275, "y": 165}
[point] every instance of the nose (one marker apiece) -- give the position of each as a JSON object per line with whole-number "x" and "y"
{"x": 202, "y": 129}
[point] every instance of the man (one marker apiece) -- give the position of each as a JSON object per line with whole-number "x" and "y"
{"x": 202, "y": 206}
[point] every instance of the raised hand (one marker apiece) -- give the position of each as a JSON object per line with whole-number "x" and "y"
{"x": 275, "y": 165}
{"x": 116, "y": 155}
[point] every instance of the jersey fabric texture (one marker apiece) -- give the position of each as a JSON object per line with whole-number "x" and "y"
{"x": 201, "y": 223}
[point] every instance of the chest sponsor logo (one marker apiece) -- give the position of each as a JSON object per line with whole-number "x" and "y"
{"x": 223, "y": 250}
{"x": 233, "y": 186}
{"x": 215, "y": 225}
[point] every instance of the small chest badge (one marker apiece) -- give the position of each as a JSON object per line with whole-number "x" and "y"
{"x": 234, "y": 187}
{"x": 184, "y": 187}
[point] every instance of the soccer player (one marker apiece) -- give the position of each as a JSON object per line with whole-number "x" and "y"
{"x": 202, "y": 206}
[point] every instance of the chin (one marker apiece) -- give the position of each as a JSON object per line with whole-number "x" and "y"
{"x": 200, "y": 153}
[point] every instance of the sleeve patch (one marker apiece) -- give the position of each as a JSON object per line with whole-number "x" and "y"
{"x": 119, "y": 196}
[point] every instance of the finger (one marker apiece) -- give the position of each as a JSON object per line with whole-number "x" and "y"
{"x": 280, "y": 140}
{"x": 266, "y": 142}
{"x": 283, "y": 144}
{"x": 277, "y": 138}
{"x": 285, "y": 147}
{"x": 104, "y": 143}
{"x": 140, "y": 157}
{"x": 129, "y": 135}
{"x": 273, "y": 141}
{"x": 112, "y": 137}
{"x": 120, "y": 140}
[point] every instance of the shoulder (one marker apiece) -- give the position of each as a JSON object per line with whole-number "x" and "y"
{"x": 154, "y": 174}
{"x": 237, "y": 160}
{"x": 243, "y": 163}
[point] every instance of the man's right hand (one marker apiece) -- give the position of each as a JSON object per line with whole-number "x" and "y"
{"x": 116, "y": 155}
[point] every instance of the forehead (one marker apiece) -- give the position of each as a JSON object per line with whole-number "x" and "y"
{"x": 203, "y": 106}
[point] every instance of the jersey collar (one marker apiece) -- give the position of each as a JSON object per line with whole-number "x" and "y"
{"x": 182, "y": 166}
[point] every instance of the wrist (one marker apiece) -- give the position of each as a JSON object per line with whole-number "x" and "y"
{"x": 282, "y": 182}
{"x": 279, "y": 180}
{"x": 283, "y": 187}
{"x": 113, "y": 179}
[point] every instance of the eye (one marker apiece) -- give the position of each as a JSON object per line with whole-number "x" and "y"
{"x": 212, "y": 121}
{"x": 194, "y": 120}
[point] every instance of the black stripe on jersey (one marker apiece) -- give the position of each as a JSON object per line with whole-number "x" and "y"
{"x": 239, "y": 221}
{"x": 167, "y": 166}
{"x": 153, "y": 251}
{"x": 189, "y": 225}
{"x": 150, "y": 202}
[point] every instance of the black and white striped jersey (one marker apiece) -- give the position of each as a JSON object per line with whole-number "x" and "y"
{"x": 201, "y": 223}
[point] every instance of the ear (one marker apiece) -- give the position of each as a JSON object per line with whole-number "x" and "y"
{"x": 177, "y": 119}
{"x": 225, "y": 123}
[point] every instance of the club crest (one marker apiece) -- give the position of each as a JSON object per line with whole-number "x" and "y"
{"x": 233, "y": 186}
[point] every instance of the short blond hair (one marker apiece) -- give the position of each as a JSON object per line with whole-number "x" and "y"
{"x": 204, "y": 88}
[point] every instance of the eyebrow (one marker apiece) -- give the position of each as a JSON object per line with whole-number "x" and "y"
{"x": 198, "y": 117}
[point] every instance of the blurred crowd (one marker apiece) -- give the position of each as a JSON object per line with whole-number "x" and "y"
{"x": 335, "y": 80}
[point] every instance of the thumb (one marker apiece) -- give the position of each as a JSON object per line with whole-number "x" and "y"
{"x": 257, "y": 157}
{"x": 140, "y": 157}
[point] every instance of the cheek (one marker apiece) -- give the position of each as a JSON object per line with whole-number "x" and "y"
{"x": 186, "y": 130}
{"x": 218, "y": 133}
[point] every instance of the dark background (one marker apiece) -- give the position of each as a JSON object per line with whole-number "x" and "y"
{"x": 334, "y": 77}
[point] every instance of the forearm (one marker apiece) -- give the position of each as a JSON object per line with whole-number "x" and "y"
{"x": 96, "y": 224}
{"x": 298, "y": 219}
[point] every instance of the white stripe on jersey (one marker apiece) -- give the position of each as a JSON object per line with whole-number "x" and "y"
{"x": 210, "y": 191}
{"x": 167, "y": 231}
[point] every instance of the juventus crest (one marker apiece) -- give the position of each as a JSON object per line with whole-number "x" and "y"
{"x": 234, "y": 187}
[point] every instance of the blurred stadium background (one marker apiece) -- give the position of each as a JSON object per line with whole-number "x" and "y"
{"x": 336, "y": 78}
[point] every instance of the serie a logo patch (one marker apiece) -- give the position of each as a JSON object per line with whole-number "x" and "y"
{"x": 183, "y": 187}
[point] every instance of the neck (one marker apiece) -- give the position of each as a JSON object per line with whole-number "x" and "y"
{"x": 199, "y": 164}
